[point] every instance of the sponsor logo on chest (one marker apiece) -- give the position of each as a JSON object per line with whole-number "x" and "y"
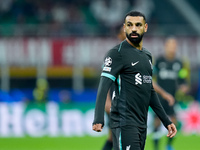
{"x": 139, "y": 79}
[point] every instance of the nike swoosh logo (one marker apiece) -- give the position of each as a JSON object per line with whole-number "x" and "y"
{"x": 128, "y": 147}
{"x": 133, "y": 64}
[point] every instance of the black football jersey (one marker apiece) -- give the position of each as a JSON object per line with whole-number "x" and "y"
{"x": 131, "y": 70}
{"x": 168, "y": 74}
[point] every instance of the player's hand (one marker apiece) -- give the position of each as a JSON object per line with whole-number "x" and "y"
{"x": 97, "y": 127}
{"x": 169, "y": 98}
{"x": 171, "y": 130}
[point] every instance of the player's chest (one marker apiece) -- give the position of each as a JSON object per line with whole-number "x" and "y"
{"x": 170, "y": 66}
{"x": 168, "y": 70}
{"x": 137, "y": 62}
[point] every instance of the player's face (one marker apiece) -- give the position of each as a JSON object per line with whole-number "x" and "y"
{"x": 171, "y": 47}
{"x": 135, "y": 27}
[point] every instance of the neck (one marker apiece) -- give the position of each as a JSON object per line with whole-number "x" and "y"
{"x": 169, "y": 57}
{"x": 137, "y": 46}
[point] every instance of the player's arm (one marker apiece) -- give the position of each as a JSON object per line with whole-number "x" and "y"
{"x": 158, "y": 109}
{"x": 164, "y": 94}
{"x": 112, "y": 65}
{"x": 182, "y": 80}
{"x": 104, "y": 85}
{"x": 108, "y": 103}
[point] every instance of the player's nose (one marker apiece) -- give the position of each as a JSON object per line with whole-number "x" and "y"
{"x": 134, "y": 28}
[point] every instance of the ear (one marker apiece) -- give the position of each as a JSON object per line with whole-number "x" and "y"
{"x": 145, "y": 27}
{"x": 124, "y": 27}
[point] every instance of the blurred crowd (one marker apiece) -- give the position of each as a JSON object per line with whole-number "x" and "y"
{"x": 91, "y": 17}
{"x": 61, "y": 18}
{"x": 66, "y": 17}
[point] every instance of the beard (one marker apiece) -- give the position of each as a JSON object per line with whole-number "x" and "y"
{"x": 137, "y": 40}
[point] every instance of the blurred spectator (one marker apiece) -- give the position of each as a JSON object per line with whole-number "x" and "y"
{"x": 5, "y": 5}
{"x": 145, "y": 6}
{"x": 40, "y": 93}
{"x": 24, "y": 11}
{"x": 43, "y": 12}
{"x": 60, "y": 13}
{"x": 75, "y": 17}
{"x": 109, "y": 13}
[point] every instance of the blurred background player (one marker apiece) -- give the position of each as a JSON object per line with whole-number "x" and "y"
{"x": 40, "y": 92}
{"x": 170, "y": 76}
{"x": 111, "y": 94}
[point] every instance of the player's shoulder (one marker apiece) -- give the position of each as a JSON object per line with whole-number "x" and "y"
{"x": 147, "y": 52}
{"x": 116, "y": 49}
{"x": 160, "y": 58}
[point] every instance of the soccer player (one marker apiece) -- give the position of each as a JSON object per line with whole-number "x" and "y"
{"x": 129, "y": 66}
{"x": 170, "y": 76}
{"x": 111, "y": 93}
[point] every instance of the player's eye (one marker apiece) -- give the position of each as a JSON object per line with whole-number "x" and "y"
{"x": 138, "y": 24}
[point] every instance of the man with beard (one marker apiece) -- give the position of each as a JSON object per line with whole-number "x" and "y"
{"x": 111, "y": 95}
{"x": 129, "y": 66}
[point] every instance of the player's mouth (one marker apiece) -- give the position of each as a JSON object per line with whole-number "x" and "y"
{"x": 134, "y": 35}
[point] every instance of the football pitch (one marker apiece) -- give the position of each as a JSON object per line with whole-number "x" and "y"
{"x": 182, "y": 142}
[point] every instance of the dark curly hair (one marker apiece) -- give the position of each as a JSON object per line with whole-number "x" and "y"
{"x": 135, "y": 13}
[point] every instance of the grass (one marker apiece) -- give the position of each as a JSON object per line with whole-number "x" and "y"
{"x": 181, "y": 142}
{"x": 48, "y": 143}
{"x": 189, "y": 142}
